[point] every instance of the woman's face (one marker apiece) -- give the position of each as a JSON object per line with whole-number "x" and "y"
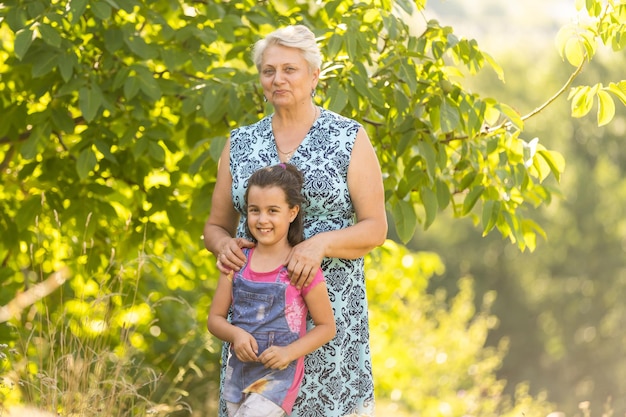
{"x": 285, "y": 76}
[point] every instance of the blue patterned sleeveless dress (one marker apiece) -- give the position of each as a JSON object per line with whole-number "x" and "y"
{"x": 338, "y": 376}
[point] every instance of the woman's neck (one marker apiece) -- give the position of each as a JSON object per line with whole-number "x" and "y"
{"x": 300, "y": 116}
{"x": 290, "y": 129}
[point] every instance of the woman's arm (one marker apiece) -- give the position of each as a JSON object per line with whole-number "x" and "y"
{"x": 318, "y": 303}
{"x": 244, "y": 345}
{"x": 370, "y": 230}
{"x": 221, "y": 225}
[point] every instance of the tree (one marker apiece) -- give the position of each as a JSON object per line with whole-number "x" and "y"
{"x": 114, "y": 112}
{"x": 132, "y": 94}
{"x": 560, "y": 306}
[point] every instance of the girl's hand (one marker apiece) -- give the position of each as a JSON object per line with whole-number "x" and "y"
{"x": 230, "y": 257}
{"x": 245, "y": 347}
{"x": 276, "y": 357}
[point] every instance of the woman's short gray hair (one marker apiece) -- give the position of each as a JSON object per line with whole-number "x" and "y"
{"x": 293, "y": 36}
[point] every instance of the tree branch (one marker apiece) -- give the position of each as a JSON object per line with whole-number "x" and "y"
{"x": 507, "y": 124}
{"x": 567, "y": 84}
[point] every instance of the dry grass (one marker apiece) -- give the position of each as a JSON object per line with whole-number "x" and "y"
{"x": 59, "y": 368}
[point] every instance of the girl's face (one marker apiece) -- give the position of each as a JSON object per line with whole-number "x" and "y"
{"x": 269, "y": 215}
{"x": 286, "y": 77}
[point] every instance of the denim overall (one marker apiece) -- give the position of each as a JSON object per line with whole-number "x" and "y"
{"x": 259, "y": 308}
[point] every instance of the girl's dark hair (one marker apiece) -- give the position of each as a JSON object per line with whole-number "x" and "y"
{"x": 288, "y": 178}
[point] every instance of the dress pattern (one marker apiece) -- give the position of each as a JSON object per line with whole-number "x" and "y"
{"x": 338, "y": 376}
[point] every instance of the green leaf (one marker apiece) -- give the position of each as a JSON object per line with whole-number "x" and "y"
{"x": 492, "y": 114}
{"x": 467, "y": 180}
{"x": 113, "y": 39}
{"x": 89, "y": 101}
{"x": 45, "y": 63}
{"x": 408, "y": 75}
{"x": 131, "y": 87}
{"x": 582, "y": 100}
{"x": 101, "y": 10}
{"x": 189, "y": 105}
{"x": 214, "y": 99}
{"x": 513, "y": 223}
{"x": 105, "y": 148}
{"x": 619, "y": 89}
{"x": 156, "y": 151}
{"x": 530, "y": 237}
{"x": 85, "y": 163}
{"x": 351, "y": 43}
{"x": 50, "y": 35}
{"x": 494, "y": 65}
{"x": 29, "y": 209}
{"x": 217, "y": 145}
{"x": 126, "y": 5}
{"x": 23, "y": 40}
{"x": 140, "y": 148}
{"x": 443, "y": 194}
{"x": 113, "y": 4}
{"x": 471, "y": 198}
{"x": 514, "y": 117}
{"x": 334, "y": 45}
{"x": 195, "y": 133}
{"x": 405, "y": 220}
{"x": 555, "y": 161}
{"x": 30, "y": 147}
{"x": 429, "y": 199}
{"x": 337, "y": 99}
{"x": 197, "y": 164}
{"x": 574, "y": 51}
{"x": 62, "y": 120}
{"x": 606, "y": 108}
{"x": 66, "y": 65}
{"x": 449, "y": 115}
{"x": 475, "y": 113}
{"x": 139, "y": 46}
{"x": 148, "y": 84}
{"x": 16, "y": 18}
{"x": 407, "y": 6}
{"x": 35, "y": 9}
{"x": 428, "y": 152}
{"x": 405, "y": 185}
{"x": 491, "y": 211}
{"x": 76, "y": 9}
{"x": 6, "y": 121}
{"x": 405, "y": 139}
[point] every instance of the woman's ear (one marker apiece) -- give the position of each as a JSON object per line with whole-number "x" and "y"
{"x": 316, "y": 78}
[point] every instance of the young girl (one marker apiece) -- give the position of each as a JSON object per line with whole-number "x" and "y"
{"x": 267, "y": 333}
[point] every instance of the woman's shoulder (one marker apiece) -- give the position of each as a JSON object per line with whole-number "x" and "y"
{"x": 336, "y": 118}
{"x": 265, "y": 122}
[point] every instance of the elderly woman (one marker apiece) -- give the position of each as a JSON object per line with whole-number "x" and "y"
{"x": 344, "y": 213}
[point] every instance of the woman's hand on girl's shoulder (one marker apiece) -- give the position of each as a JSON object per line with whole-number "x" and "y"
{"x": 231, "y": 257}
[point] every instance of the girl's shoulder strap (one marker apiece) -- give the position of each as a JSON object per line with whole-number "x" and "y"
{"x": 248, "y": 253}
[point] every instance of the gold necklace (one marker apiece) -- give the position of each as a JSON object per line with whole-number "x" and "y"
{"x": 288, "y": 154}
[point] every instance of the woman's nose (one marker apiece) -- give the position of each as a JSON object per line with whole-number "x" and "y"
{"x": 278, "y": 77}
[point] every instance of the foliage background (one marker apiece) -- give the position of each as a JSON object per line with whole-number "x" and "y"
{"x": 113, "y": 114}
{"x": 558, "y": 306}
